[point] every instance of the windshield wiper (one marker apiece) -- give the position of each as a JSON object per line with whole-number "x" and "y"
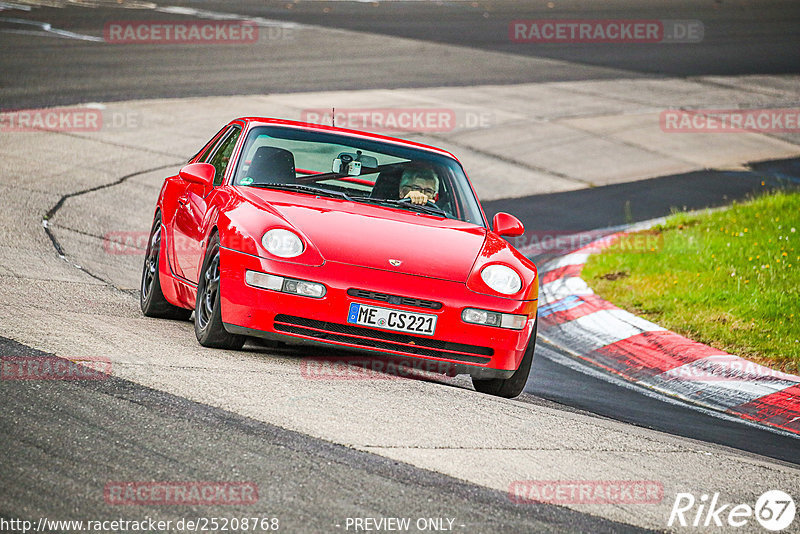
{"x": 304, "y": 189}
{"x": 431, "y": 209}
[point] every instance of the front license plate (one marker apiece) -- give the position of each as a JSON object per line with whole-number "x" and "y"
{"x": 403, "y": 321}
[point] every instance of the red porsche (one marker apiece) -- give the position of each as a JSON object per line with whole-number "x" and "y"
{"x": 305, "y": 233}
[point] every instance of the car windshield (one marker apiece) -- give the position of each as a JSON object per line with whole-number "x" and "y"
{"x": 361, "y": 170}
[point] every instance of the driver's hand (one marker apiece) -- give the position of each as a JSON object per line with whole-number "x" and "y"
{"x": 417, "y": 197}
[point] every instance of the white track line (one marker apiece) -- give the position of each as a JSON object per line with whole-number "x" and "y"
{"x": 47, "y": 29}
{"x": 572, "y": 362}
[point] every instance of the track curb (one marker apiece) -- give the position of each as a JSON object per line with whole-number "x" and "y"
{"x": 599, "y": 333}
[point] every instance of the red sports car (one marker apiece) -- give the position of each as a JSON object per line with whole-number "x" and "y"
{"x": 313, "y": 234}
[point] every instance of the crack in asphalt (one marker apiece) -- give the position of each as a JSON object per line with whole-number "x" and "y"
{"x": 54, "y": 210}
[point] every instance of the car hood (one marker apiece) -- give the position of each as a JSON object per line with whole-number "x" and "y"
{"x": 372, "y": 236}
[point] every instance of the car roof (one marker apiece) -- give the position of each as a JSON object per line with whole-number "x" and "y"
{"x": 268, "y": 121}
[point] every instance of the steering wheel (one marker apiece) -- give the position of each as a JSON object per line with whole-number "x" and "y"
{"x": 408, "y": 201}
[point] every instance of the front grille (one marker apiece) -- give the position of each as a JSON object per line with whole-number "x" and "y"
{"x": 378, "y": 339}
{"x": 395, "y": 299}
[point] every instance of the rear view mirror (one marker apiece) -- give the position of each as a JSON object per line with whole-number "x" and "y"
{"x": 351, "y": 164}
{"x": 198, "y": 173}
{"x": 505, "y": 224}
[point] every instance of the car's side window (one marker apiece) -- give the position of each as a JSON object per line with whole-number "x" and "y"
{"x": 208, "y": 148}
{"x": 222, "y": 156}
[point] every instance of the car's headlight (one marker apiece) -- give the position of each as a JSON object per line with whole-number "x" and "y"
{"x": 490, "y": 318}
{"x": 304, "y": 288}
{"x": 282, "y": 243}
{"x": 502, "y": 279}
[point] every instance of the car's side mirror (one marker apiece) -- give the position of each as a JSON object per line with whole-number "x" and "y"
{"x": 505, "y": 224}
{"x": 198, "y": 173}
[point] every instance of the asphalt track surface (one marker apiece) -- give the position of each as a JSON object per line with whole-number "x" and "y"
{"x": 618, "y": 204}
{"x": 739, "y": 38}
{"x": 749, "y": 39}
{"x": 78, "y": 435}
{"x": 553, "y": 380}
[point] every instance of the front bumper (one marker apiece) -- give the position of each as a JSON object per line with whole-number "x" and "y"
{"x": 482, "y": 351}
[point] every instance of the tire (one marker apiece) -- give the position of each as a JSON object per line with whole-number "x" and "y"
{"x": 512, "y": 386}
{"x": 208, "y": 310}
{"x": 151, "y": 298}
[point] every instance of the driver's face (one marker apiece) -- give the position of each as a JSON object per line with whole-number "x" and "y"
{"x": 423, "y": 185}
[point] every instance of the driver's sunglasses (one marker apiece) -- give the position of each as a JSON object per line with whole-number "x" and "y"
{"x": 427, "y": 190}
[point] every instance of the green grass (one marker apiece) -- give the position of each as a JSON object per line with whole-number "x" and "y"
{"x": 729, "y": 279}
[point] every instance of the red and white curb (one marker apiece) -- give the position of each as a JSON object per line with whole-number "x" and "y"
{"x": 573, "y": 317}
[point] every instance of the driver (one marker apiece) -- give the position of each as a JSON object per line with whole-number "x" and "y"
{"x": 419, "y": 185}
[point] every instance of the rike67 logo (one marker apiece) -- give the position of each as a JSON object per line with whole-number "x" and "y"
{"x": 774, "y": 510}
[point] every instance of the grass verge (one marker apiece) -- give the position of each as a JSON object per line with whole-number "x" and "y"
{"x": 729, "y": 279}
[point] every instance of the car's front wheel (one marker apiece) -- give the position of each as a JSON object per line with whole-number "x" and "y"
{"x": 151, "y": 298}
{"x": 512, "y": 386}
{"x": 208, "y": 309}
